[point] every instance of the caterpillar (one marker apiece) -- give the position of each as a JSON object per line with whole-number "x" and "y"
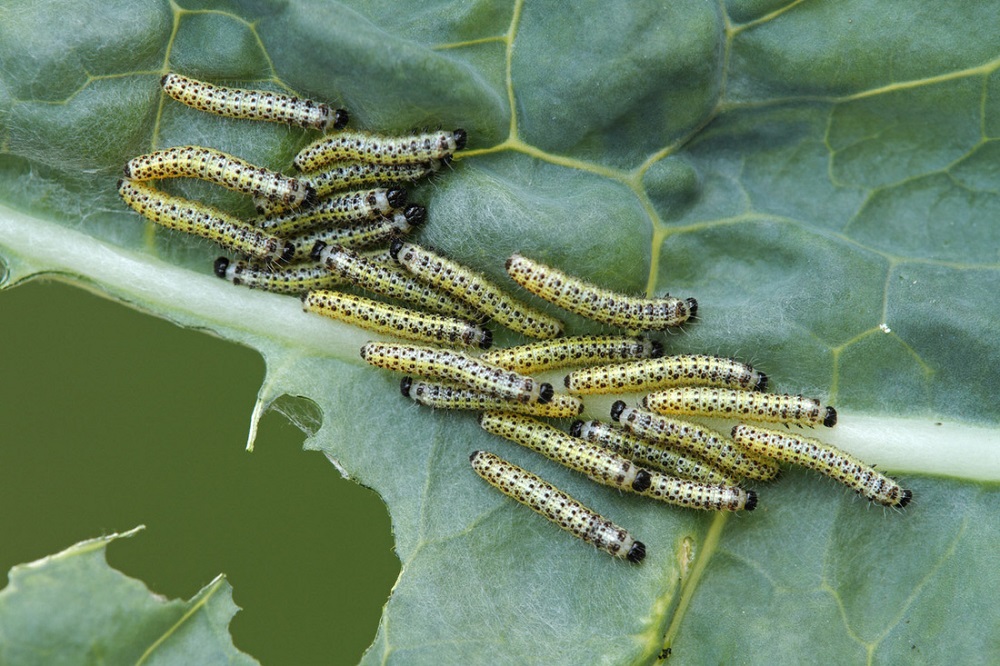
{"x": 652, "y": 374}
{"x": 649, "y": 455}
{"x": 600, "y": 305}
{"x": 695, "y": 495}
{"x": 387, "y": 279}
{"x": 694, "y": 439}
{"x": 463, "y": 283}
{"x": 560, "y": 508}
{"x": 395, "y": 320}
{"x": 354, "y": 175}
{"x": 291, "y": 280}
{"x": 579, "y": 350}
{"x": 611, "y": 469}
{"x": 310, "y": 244}
{"x": 455, "y": 366}
{"x": 825, "y": 459}
{"x": 379, "y": 149}
{"x": 204, "y": 221}
{"x": 452, "y": 396}
{"x": 599, "y": 464}
{"x": 222, "y": 169}
{"x": 344, "y": 209}
{"x": 252, "y": 104}
{"x": 732, "y": 403}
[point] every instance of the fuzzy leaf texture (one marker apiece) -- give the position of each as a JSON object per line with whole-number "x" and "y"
{"x": 821, "y": 176}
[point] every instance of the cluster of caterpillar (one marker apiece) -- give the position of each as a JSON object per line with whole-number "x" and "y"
{"x": 649, "y": 450}
{"x": 352, "y": 198}
{"x": 306, "y": 241}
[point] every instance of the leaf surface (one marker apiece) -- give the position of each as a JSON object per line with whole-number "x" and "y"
{"x": 72, "y": 608}
{"x": 820, "y": 176}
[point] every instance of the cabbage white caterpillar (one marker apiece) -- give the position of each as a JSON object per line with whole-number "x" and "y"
{"x": 566, "y": 512}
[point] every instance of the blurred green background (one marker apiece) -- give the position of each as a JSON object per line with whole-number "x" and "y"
{"x": 113, "y": 418}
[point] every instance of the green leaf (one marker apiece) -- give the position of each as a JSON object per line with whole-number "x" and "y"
{"x": 821, "y": 176}
{"x": 72, "y": 608}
